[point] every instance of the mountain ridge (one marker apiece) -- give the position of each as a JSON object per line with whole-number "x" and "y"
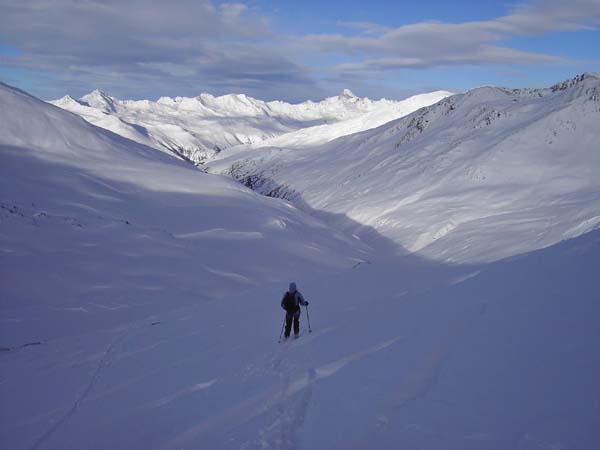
{"x": 198, "y": 128}
{"x": 451, "y": 170}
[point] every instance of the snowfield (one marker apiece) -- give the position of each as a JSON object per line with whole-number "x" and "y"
{"x": 450, "y": 259}
{"x": 198, "y": 128}
{"x": 114, "y": 215}
{"x": 476, "y": 177}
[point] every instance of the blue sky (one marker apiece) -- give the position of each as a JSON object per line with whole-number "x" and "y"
{"x": 312, "y": 16}
{"x": 291, "y": 50}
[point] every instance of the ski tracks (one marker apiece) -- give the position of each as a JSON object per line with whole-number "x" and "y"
{"x": 103, "y": 362}
{"x": 290, "y": 409}
{"x": 296, "y": 391}
{"x": 278, "y": 412}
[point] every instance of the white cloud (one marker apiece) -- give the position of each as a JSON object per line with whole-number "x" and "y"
{"x": 185, "y": 43}
{"x": 137, "y": 47}
{"x": 434, "y": 44}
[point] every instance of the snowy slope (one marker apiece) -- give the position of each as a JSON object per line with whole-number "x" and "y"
{"x": 141, "y": 311}
{"x": 115, "y": 215}
{"x": 320, "y": 134}
{"x": 476, "y": 177}
{"x": 198, "y": 128}
{"x": 403, "y": 354}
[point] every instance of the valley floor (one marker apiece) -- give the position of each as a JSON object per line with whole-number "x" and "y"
{"x": 404, "y": 353}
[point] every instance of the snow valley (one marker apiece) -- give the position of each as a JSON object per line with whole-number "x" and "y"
{"x": 478, "y": 176}
{"x": 448, "y": 245}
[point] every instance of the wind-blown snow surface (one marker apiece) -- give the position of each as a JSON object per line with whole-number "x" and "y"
{"x": 129, "y": 318}
{"x": 90, "y": 219}
{"x": 200, "y": 127}
{"x": 476, "y": 177}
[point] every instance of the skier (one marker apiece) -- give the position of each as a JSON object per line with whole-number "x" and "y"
{"x": 291, "y": 302}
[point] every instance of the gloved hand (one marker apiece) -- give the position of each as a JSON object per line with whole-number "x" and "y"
{"x": 305, "y": 303}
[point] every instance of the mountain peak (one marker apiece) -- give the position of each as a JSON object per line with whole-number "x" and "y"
{"x": 576, "y": 81}
{"x": 588, "y": 76}
{"x": 347, "y": 93}
{"x": 66, "y": 99}
{"x": 205, "y": 96}
{"x": 99, "y": 99}
{"x": 98, "y": 94}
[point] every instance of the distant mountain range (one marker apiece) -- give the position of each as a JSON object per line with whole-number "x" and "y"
{"x": 198, "y": 128}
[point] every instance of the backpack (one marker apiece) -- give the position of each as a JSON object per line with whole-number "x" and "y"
{"x": 289, "y": 302}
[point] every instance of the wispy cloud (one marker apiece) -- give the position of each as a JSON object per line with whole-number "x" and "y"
{"x": 152, "y": 47}
{"x": 433, "y": 44}
{"x": 185, "y": 43}
{"x": 366, "y": 27}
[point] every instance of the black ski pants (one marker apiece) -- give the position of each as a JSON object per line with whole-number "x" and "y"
{"x": 289, "y": 317}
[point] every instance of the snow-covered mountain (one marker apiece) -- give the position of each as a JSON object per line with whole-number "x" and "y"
{"x": 139, "y": 297}
{"x": 198, "y": 128}
{"x": 118, "y": 211}
{"x": 476, "y": 177}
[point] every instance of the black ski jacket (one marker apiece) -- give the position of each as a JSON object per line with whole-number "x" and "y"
{"x": 291, "y": 302}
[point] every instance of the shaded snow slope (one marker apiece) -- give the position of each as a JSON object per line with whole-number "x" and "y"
{"x": 403, "y": 354}
{"x": 200, "y": 127}
{"x": 90, "y": 220}
{"x": 476, "y": 177}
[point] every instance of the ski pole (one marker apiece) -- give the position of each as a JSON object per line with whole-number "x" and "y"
{"x": 308, "y": 319}
{"x": 282, "y": 325}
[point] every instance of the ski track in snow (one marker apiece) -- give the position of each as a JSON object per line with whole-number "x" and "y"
{"x": 290, "y": 413}
{"x": 106, "y": 359}
{"x": 282, "y": 434}
{"x": 183, "y": 392}
{"x": 465, "y": 277}
{"x": 423, "y": 377}
{"x": 290, "y": 409}
{"x": 104, "y": 362}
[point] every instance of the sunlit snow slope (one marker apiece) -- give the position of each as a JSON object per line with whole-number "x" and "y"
{"x": 476, "y": 177}
{"x": 198, "y": 128}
